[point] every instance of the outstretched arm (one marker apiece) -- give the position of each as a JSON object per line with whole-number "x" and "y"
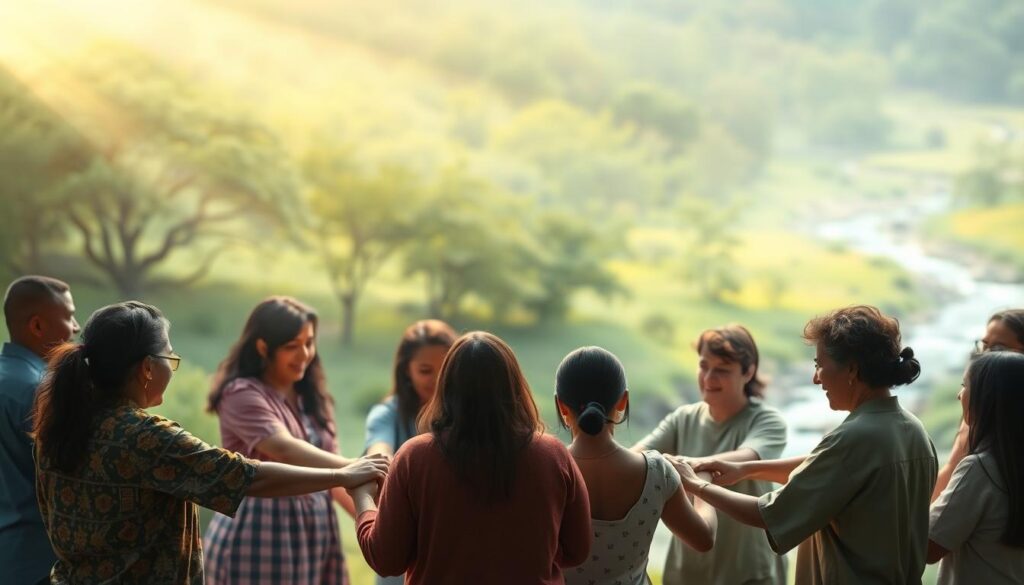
{"x": 728, "y": 473}
{"x": 280, "y": 479}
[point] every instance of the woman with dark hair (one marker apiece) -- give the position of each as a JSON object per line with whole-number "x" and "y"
{"x": 484, "y": 496}
{"x": 271, "y": 397}
{"x": 118, "y": 487}
{"x": 414, "y": 381}
{"x": 858, "y": 504}
{"x": 628, "y": 491}
{"x": 731, "y": 423}
{"x": 977, "y": 523}
{"x": 1004, "y": 332}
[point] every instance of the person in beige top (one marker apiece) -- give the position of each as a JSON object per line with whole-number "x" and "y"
{"x": 976, "y": 526}
{"x": 857, "y": 506}
{"x": 731, "y": 423}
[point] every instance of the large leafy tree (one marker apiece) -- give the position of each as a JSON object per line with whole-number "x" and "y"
{"x": 360, "y": 219}
{"x": 573, "y": 256}
{"x": 472, "y": 243}
{"x": 175, "y": 169}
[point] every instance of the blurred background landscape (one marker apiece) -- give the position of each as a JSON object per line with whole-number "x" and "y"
{"x": 563, "y": 173}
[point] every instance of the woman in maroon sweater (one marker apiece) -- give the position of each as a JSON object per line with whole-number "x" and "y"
{"x": 485, "y": 496}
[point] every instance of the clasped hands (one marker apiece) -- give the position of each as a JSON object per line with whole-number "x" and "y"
{"x": 365, "y": 473}
{"x": 694, "y": 471}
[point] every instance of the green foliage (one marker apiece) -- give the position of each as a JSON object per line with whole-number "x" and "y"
{"x": 574, "y": 256}
{"x": 359, "y": 220}
{"x": 850, "y": 123}
{"x": 710, "y": 236}
{"x": 471, "y": 243}
{"x": 965, "y": 49}
{"x": 38, "y": 151}
{"x": 995, "y": 179}
{"x": 179, "y": 171}
{"x": 654, "y": 109}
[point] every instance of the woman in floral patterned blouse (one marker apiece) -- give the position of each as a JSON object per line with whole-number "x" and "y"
{"x": 118, "y": 487}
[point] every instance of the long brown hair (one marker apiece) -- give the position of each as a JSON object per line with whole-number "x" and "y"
{"x": 277, "y": 320}
{"x": 483, "y": 413}
{"x": 996, "y": 405}
{"x": 426, "y": 333}
{"x": 86, "y": 377}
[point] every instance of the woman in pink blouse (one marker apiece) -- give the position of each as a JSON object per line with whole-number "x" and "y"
{"x": 485, "y": 496}
{"x": 273, "y": 404}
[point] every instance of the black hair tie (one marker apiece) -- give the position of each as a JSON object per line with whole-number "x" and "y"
{"x": 598, "y": 406}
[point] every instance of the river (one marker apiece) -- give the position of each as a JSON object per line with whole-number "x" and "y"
{"x": 942, "y": 336}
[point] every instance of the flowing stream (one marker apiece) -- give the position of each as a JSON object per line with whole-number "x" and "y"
{"x": 942, "y": 337}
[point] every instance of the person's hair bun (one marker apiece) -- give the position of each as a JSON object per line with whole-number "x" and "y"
{"x": 592, "y": 418}
{"x": 907, "y": 368}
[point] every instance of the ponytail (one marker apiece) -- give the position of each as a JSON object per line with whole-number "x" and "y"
{"x": 87, "y": 377}
{"x": 63, "y": 409}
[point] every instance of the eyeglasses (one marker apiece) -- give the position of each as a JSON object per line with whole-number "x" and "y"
{"x": 981, "y": 347}
{"x": 173, "y": 359}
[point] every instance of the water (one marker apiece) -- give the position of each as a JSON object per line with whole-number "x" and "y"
{"x": 942, "y": 338}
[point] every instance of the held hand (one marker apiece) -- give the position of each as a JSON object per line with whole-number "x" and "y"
{"x": 364, "y": 470}
{"x": 370, "y": 489}
{"x": 723, "y": 472}
{"x": 686, "y": 473}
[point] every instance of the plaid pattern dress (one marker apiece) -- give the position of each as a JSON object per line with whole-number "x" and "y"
{"x": 273, "y": 541}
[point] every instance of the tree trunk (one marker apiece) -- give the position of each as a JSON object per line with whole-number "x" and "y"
{"x": 348, "y": 317}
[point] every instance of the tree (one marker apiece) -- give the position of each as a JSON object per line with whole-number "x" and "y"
{"x": 709, "y": 232}
{"x": 573, "y": 257}
{"x": 654, "y": 109}
{"x": 471, "y": 242}
{"x": 360, "y": 220}
{"x": 174, "y": 170}
{"x": 38, "y": 151}
{"x": 996, "y": 177}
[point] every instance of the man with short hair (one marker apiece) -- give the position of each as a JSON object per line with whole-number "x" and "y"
{"x": 40, "y": 315}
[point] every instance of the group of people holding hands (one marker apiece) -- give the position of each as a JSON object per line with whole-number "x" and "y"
{"x": 459, "y": 482}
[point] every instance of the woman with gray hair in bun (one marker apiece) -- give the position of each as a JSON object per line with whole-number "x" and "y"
{"x": 858, "y": 504}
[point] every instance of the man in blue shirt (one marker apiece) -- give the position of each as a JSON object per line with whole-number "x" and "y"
{"x": 40, "y": 314}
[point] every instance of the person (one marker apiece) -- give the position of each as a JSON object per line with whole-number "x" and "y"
{"x": 485, "y": 496}
{"x": 117, "y": 486}
{"x": 414, "y": 380}
{"x": 731, "y": 422}
{"x": 271, "y": 398}
{"x": 1003, "y": 332}
{"x": 858, "y": 504}
{"x": 976, "y": 526}
{"x": 40, "y": 315}
{"x": 628, "y": 491}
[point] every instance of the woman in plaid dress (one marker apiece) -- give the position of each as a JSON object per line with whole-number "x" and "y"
{"x": 273, "y": 405}
{"x": 119, "y": 487}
